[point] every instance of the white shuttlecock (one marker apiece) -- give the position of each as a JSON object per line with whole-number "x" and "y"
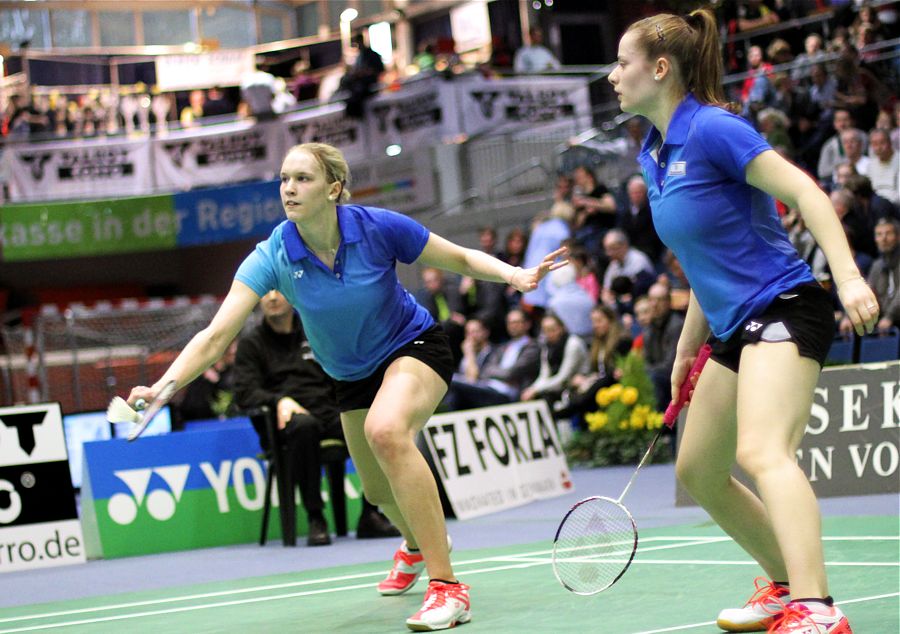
{"x": 119, "y": 411}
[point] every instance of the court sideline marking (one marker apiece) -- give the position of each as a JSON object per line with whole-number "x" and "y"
{"x": 521, "y": 561}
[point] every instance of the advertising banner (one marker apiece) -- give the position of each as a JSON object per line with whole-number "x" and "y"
{"x": 215, "y": 155}
{"x": 420, "y": 115}
{"x": 498, "y": 106}
{"x": 38, "y": 519}
{"x": 401, "y": 183}
{"x": 177, "y": 492}
{"x": 328, "y": 124}
{"x": 78, "y": 169}
{"x": 852, "y": 441}
{"x": 100, "y": 227}
{"x": 494, "y": 458}
{"x": 204, "y": 70}
{"x": 225, "y": 214}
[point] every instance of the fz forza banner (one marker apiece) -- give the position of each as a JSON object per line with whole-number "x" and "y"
{"x": 38, "y": 520}
{"x": 328, "y": 124}
{"x": 504, "y": 105}
{"x": 78, "y": 169}
{"x": 227, "y": 153}
{"x": 494, "y": 458}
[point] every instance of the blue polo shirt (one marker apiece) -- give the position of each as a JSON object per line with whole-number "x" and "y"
{"x": 726, "y": 234}
{"x": 358, "y": 314}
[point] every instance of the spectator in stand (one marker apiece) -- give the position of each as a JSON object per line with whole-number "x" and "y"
{"x": 833, "y": 151}
{"x": 257, "y": 93}
{"x": 756, "y": 67}
{"x": 609, "y": 341}
{"x": 552, "y": 230}
{"x": 514, "y": 254}
{"x": 673, "y": 276}
{"x": 509, "y": 368}
{"x": 303, "y": 85}
{"x": 595, "y": 209}
{"x": 476, "y": 348}
{"x": 843, "y": 171}
{"x": 25, "y": 120}
{"x": 643, "y": 321}
{"x": 563, "y": 355}
{"x": 564, "y": 188}
{"x": 867, "y": 201}
{"x": 813, "y": 53}
{"x": 884, "y": 166}
{"x": 822, "y": 89}
{"x": 895, "y": 131}
{"x": 755, "y": 14}
{"x": 858, "y": 89}
{"x": 194, "y": 110}
{"x": 484, "y": 301}
{"x": 626, "y": 261}
{"x": 217, "y": 103}
{"x": 661, "y": 341}
{"x": 487, "y": 240}
{"x": 884, "y": 277}
{"x": 360, "y": 81}
{"x": 626, "y": 147}
{"x": 441, "y": 299}
{"x": 534, "y": 57}
{"x": 585, "y": 275}
{"x": 635, "y": 220}
{"x": 858, "y": 225}
{"x": 570, "y": 302}
{"x": 773, "y": 125}
{"x": 211, "y": 394}
{"x": 853, "y": 152}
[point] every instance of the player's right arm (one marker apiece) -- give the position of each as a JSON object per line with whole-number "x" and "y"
{"x": 206, "y": 346}
{"x": 693, "y": 335}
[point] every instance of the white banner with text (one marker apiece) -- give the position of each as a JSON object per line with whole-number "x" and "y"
{"x": 494, "y": 458}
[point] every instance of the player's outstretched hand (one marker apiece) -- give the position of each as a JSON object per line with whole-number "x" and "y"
{"x": 141, "y": 393}
{"x": 524, "y": 280}
{"x": 860, "y": 304}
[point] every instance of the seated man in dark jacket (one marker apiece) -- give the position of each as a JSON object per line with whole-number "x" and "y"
{"x": 274, "y": 366}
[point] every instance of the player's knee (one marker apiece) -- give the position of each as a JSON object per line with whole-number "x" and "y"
{"x": 756, "y": 459}
{"x": 385, "y": 438}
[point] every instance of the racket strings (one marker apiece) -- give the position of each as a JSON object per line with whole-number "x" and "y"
{"x": 595, "y": 545}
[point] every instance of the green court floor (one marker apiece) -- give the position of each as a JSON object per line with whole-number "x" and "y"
{"x": 681, "y": 577}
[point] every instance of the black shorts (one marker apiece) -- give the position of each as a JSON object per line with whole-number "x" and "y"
{"x": 803, "y": 315}
{"x": 432, "y": 348}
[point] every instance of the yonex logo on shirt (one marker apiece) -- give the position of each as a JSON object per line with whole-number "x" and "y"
{"x": 678, "y": 168}
{"x": 298, "y": 274}
{"x": 753, "y": 326}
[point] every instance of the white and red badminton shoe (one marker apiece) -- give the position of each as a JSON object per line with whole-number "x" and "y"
{"x": 446, "y": 605}
{"x": 804, "y": 618}
{"x": 759, "y": 612}
{"x": 408, "y": 567}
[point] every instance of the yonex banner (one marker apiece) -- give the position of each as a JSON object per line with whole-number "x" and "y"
{"x": 38, "y": 519}
{"x": 420, "y": 115}
{"x": 78, "y": 169}
{"x": 64, "y": 230}
{"x": 177, "y": 492}
{"x": 218, "y": 155}
{"x": 495, "y": 458}
{"x": 852, "y": 441}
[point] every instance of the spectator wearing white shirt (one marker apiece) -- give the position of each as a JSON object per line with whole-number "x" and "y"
{"x": 534, "y": 57}
{"x": 625, "y": 261}
{"x": 853, "y": 152}
{"x": 884, "y": 166}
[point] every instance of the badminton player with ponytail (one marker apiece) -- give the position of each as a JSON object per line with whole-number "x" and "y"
{"x": 712, "y": 179}
{"x": 336, "y": 263}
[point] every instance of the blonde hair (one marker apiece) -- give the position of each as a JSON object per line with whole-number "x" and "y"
{"x": 333, "y": 164}
{"x": 692, "y": 41}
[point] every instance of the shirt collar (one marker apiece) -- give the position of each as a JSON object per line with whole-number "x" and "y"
{"x": 678, "y": 126}
{"x": 348, "y": 223}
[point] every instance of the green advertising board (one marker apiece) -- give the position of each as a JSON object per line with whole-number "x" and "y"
{"x": 87, "y": 228}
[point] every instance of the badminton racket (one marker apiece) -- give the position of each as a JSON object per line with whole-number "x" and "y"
{"x": 143, "y": 413}
{"x": 598, "y": 538}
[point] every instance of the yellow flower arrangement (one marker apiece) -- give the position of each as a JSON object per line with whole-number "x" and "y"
{"x": 627, "y": 418}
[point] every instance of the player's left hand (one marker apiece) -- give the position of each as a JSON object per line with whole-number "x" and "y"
{"x": 524, "y": 280}
{"x": 860, "y": 304}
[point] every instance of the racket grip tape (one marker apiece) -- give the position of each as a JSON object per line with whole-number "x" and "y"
{"x": 684, "y": 392}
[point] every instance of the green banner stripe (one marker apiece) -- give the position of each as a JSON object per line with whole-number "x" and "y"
{"x": 86, "y": 228}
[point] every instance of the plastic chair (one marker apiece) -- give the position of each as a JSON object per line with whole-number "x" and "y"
{"x": 333, "y": 454}
{"x": 880, "y": 347}
{"x": 841, "y": 351}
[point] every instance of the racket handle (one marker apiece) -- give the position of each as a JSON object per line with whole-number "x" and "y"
{"x": 140, "y": 404}
{"x": 684, "y": 392}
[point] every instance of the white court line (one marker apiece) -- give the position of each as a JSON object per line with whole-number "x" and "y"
{"x": 517, "y": 560}
{"x": 706, "y": 623}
